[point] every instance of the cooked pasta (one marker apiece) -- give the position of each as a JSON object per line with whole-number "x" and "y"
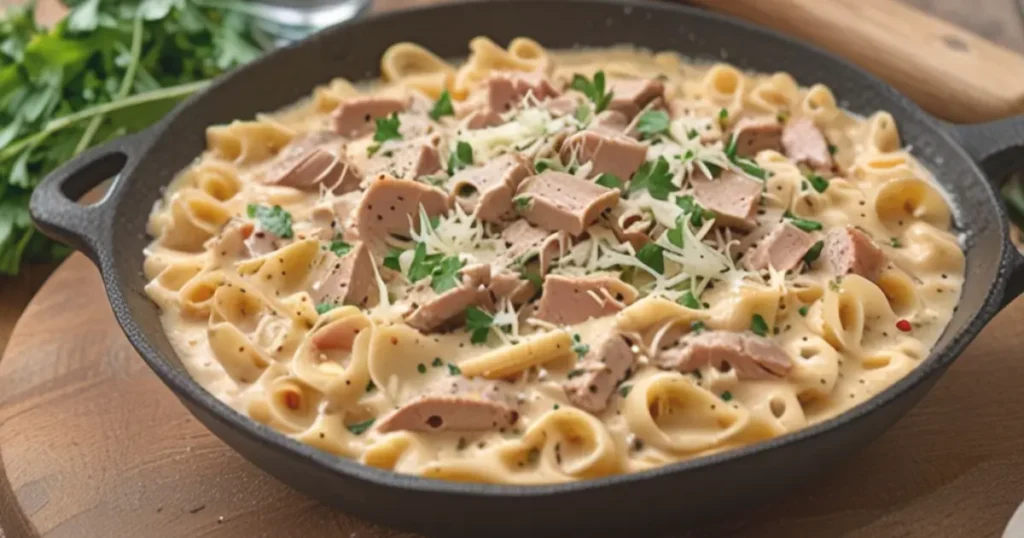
{"x": 540, "y": 266}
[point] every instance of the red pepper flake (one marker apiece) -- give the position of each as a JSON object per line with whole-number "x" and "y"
{"x": 394, "y": 340}
{"x": 291, "y": 399}
{"x": 903, "y": 325}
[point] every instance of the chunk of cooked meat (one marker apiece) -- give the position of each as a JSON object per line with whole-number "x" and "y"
{"x": 804, "y": 143}
{"x": 603, "y": 368}
{"x": 406, "y": 159}
{"x": 783, "y": 249}
{"x": 570, "y": 300}
{"x": 349, "y": 279}
{"x": 455, "y": 405}
{"x": 486, "y": 191}
{"x": 753, "y": 357}
{"x": 558, "y": 201}
{"x": 389, "y": 206}
{"x": 355, "y": 117}
{"x": 754, "y": 135}
{"x": 732, "y": 197}
{"x": 311, "y": 162}
{"x": 607, "y": 151}
{"x": 432, "y": 311}
{"x": 849, "y": 250}
{"x": 630, "y": 96}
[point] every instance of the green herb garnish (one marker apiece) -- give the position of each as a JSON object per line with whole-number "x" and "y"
{"x": 460, "y": 158}
{"x": 652, "y": 255}
{"x": 802, "y": 311}
{"x": 574, "y": 373}
{"x": 323, "y": 308}
{"x": 652, "y": 123}
{"x": 895, "y": 243}
{"x": 340, "y": 248}
{"x": 582, "y": 113}
{"x": 751, "y": 168}
{"x": 609, "y": 180}
{"x": 814, "y": 252}
{"x": 655, "y": 178}
{"x": 387, "y": 128}
{"x": 689, "y": 301}
{"x": 726, "y": 396}
{"x": 533, "y": 278}
{"x": 437, "y": 362}
{"x": 391, "y": 259}
{"x": 454, "y": 370}
{"x": 806, "y": 225}
{"x": 723, "y": 118}
{"x": 421, "y": 368}
{"x": 758, "y": 325}
{"x": 697, "y": 327}
{"x": 443, "y": 106}
{"x": 579, "y": 347}
{"x": 819, "y": 183}
{"x": 832, "y": 149}
{"x": 521, "y": 203}
{"x": 272, "y": 219}
{"x": 624, "y": 390}
{"x": 359, "y": 427}
{"x": 593, "y": 89}
{"x": 478, "y": 323}
{"x": 446, "y": 275}
{"x": 696, "y": 212}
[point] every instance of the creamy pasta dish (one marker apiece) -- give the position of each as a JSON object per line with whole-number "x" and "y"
{"x": 537, "y": 266}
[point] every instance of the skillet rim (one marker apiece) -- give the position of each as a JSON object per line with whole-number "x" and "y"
{"x": 186, "y": 388}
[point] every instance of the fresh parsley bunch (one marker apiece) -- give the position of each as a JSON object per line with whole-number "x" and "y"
{"x": 109, "y": 68}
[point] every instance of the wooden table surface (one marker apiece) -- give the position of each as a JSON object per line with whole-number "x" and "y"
{"x": 998, "y": 20}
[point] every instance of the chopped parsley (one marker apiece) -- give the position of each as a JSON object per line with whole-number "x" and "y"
{"x": 443, "y": 106}
{"x": 460, "y": 158}
{"x": 579, "y": 347}
{"x": 750, "y": 168}
{"x": 387, "y": 128}
{"x": 689, "y": 300}
{"x": 421, "y": 368}
{"x": 758, "y": 325}
{"x": 691, "y": 134}
{"x": 478, "y": 323}
{"x": 655, "y": 178}
{"x": 582, "y": 113}
{"x": 593, "y": 89}
{"x": 437, "y": 362}
{"x": 574, "y": 373}
{"x": 697, "y": 327}
{"x": 895, "y": 243}
{"x": 675, "y": 235}
{"x": 272, "y": 219}
{"x": 372, "y": 149}
{"x": 391, "y": 259}
{"x": 446, "y": 275}
{"x": 653, "y": 256}
{"x": 814, "y": 252}
{"x": 422, "y": 263}
{"x": 323, "y": 308}
{"x": 782, "y": 117}
{"x": 652, "y": 123}
{"x": 340, "y": 248}
{"x": 730, "y": 147}
{"x": 359, "y": 427}
{"x": 806, "y": 225}
{"x": 696, "y": 212}
{"x": 726, "y": 396}
{"x": 624, "y": 390}
{"x": 723, "y": 118}
{"x": 819, "y": 183}
{"x": 541, "y": 165}
{"x": 370, "y": 387}
{"x": 521, "y": 203}
{"x": 609, "y": 180}
{"x": 454, "y": 370}
{"x": 533, "y": 278}
{"x": 832, "y": 149}
{"x": 833, "y": 285}
{"x": 803, "y": 311}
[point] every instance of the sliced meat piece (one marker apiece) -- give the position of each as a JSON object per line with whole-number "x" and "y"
{"x": 432, "y": 311}
{"x": 355, "y": 117}
{"x": 349, "y": 279}
{"x": 804, "y": 143}
{"x": 406, "y": 159}
{"x": 607, "y": 150}
{"x": 341, "y": 333}
{"x": 389, "y": 205}
{"x": 752, "y": 356}
{"x": 733, "y": 198}
{"x": 570, "y": 300}
{"x": 482, "y": 119}
{"x": 332, "y": 220}
{"x": 263, "y": 241}
{"x": 506, "y": 90}
{"x": 565, "y": 104}
{"x": 455, "y": 405}
{"x": 604, "y": 367}
{"x": 631, "y": 95}
{"x": 524, "y": 242}
{"x": 849, "y": 250}
{"x": 558, "y": 201}
{"x": 754, "y": 135}
{"x": 314, "y": 160}
{"x": 783, "y": 249}
{"x": 509, "y": 285}
{"x": 611, "y": 120}
{"x": 486, "y": 191}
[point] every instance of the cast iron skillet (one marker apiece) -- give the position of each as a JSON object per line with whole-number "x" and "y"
{"x": 112, "y": 234}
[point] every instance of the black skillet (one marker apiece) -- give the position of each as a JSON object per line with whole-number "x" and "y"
{"x": 112, "y": 234}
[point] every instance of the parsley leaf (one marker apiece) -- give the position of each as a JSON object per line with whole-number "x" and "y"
{"x": 750, "y": 168}
{"x": 697, "y": 327}
{"x": 723, "y": 118}
{"x": 391, "y": 259}
{"x": 593, "y": 89}
{"x": 478, "y": 323}
{"x": 758, "y": 325}
{"x": 443, "y": 106}
{"x": 340, "y": 248}
{"x": 609, "y": 180}
{"x": 273, "y": 219}
{"x": 533, "y": 278}
{"x": 521, "y": 203}
{"x": 726, "y": 396}
{"x": 819, "y": 183}
{"x": 359, "y": 427}
{"x": 324, "y": 308}
{"x": 460, "y": 158}
{"x": 689, "y": 301}
{"x": 582, "y": 113}
{"x": 814, "y": 252}
{"x": 675, "y": 235}
{"x": 696, "y": 212}
{"x": 387, "y": 128}
{"x": 652, "y": 255}
{"x": 437, "y": 362}
{"x": 653, "y": 123}
{"x": 806, "y": 225}
{"x": 802, "y": 310}
{"x": 421, "y": 266}
{"x": 655, "y": 178}
{"x": 579, "y": 347}
{"x": 446, "y": 275}
{"x": 454, "y": 370}
{"x": 895, "y": 242}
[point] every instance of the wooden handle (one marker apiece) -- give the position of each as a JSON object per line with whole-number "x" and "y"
{"x": 949, "y": 71}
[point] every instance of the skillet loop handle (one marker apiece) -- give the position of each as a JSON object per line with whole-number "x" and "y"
{"x": 998, "y": 148}
{"x": 54, "y": 207}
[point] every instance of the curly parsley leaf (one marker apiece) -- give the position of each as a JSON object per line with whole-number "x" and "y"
{"x": 387, "y": 128}
{"x": 478, "y": 323}
{"x": 593, "y": 89}
{"x": 653, "y": 123}
{"x": 446, "y": 275}
{"x": 655, "y": 178}
{"x": 272, "y": 219}
{"x": 443, "y": 106}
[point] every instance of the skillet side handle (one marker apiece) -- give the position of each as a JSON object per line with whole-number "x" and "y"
{"x": 998, "y": 148}
{"x": 53, "y": 205}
